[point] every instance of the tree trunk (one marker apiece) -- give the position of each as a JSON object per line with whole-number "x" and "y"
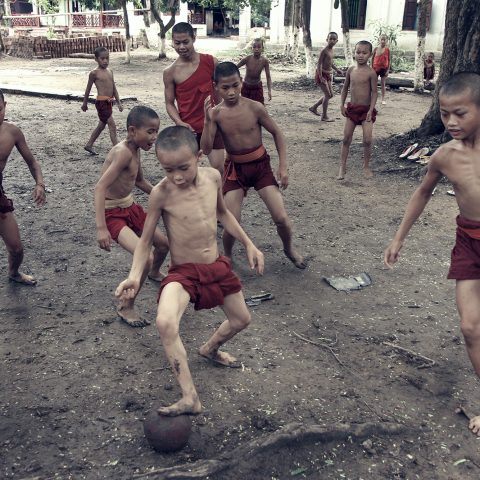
{"x": 154, "y": 7}
{"x": 2, "y": 46}
{"x": 287, "y": 23}
{"x": 296, "y": 28}
{"x": 347, "y": 48}
{"x": 307, "y": 38}
{"x": 420, "y": 52}
{"x": 127, "y": 30}
{"x": 461, "y": 53}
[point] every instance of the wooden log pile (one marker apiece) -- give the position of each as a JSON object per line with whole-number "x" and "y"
{"x": 43, "y": 47}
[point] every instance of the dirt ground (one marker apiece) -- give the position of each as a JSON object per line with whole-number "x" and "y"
{"x": 77, "y": 382}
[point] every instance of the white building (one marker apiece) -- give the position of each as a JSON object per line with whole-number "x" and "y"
{"x": 325, "y": 19}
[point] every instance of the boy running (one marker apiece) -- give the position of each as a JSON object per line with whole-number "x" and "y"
{"x": 190, "y": 200}
{"x": 459, "y": 161}
{"x": 361, "y": 109}
{"x": 11, "y": 136}
{"x": 188, "y": 81}
{"x": 107, "y": 93}
{"x": 240, "y": 121}
{"x": 252, "y": 84}
{"x": 118, "y": 217}
{"x": 381, "y": 63}
{"x": 324, "y": 76}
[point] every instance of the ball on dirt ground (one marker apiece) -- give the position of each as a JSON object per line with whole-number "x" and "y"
{"x": 167, "y": 434}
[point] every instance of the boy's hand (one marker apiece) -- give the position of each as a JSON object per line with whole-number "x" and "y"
{"x": 269, "y": 96}
{"x": 368, "y": 118}
{"x": 392, "y": 253}
{"x": 255, "y": 259}
{"x": 323, "y": 80}
{"x": 208, "y": 109}
{"x": 343, "y": 110}
{"x": 120, "y": 107}
{"x": 39, "y": 196}
{"x": 127, "y": 289}
{"x": 282, "y": 177}
{"x": 187, "y": 125}
{"x": 104, "y": 238}
{"x": 84, "y": 107}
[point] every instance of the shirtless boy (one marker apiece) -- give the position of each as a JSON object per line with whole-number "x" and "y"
{"x": 429, "y": 68}
{"x": 324, "y": 76}
{"x": 188, "y": 81}
{"x": 11, "y": 136}
{"x": 118, "y": 217}
{"x": 252, "y": 84}
{"x": 381, "y": 63}
{"x": 362, "y": 82}
{"x": 459, "y": 161}
{"x": 190, "y": 200}
{"x": 240, "y": 120}
{"x": 107, "y": 93}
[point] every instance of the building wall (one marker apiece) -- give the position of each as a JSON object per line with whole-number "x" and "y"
{"x": 324, "y": 18}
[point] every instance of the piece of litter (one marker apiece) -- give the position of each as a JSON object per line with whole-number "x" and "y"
{"x": 355, "y": 282}
{"x": 459, "y": 462}
{"x": 255, "y": 300}
{"x": 451, "y": 192}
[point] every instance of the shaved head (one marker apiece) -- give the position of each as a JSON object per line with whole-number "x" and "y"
{"x": 462, "y": 82}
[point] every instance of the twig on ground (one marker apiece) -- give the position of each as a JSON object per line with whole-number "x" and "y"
{"x": 321, "y": 345}
{"x": 287, "y": 436}
{"x": 430, "y": 362}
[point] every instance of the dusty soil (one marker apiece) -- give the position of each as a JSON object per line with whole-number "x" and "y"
{"x": 77, "y": 382}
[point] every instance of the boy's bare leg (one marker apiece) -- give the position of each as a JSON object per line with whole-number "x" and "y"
{"x": 274, "y": 201}
{"x": 314, "y": 107}
{"x": 367, "y": 128}
{"x": 217, "y": 159}
{"x": 11, "y": 236}
{"x": 326, "y": 101}
{"x": 173, "y": 302}
{"x": 128, "y": 240}
{"x": 238, "y": 318}
{"x": 93, "y": 137}
{"x": 160, "y": 251}
{"x": 233, "y": 201}
{"x": 468, "y": 304}
{"x": 347, "y": 140}
{"x": 112, "y": 129}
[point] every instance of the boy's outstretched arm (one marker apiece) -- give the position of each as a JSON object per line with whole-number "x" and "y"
{"x": 130, "y": 286}
{"x": 91, "y": 81}
{"x": 242, "y": 62}
{"x": 373, "y": 95}
{"x": 269, "y": 79}
{"x": 231, "y": 225}
{"x": 415, "y": 207}
{"x": 269, "y": 124}
{"x": 209, "y": 128}
{"x": 39, "y": 196}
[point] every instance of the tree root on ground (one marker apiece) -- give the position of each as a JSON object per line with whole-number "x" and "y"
{"x": 293, "y": 434}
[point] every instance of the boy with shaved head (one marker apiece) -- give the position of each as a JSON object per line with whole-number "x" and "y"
{"x": 118, "y": 216}
{"x": 459, "y": 161}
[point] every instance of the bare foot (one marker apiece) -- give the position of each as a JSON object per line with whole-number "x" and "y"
{"x": 296, "y": 259}
{"x": 90, "y": 150}
{"x": 156, "y": 277}
{"x": 23, "y": 278}
{"x": 183, "y": 406}
{"x": 219, "y": 358}
{"x": 130, "y": 316}
{"x": 368, "y": 173}
{"x": 314, "y": 111}
{"x": 341, "y": 173}
{"x": 327, "y": 119}
{"x": 474, "y": 425}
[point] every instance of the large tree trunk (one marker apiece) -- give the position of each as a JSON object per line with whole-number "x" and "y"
{"x": 347, "y": 48}
{"x": 2, "y": 46}
{"x": 307, "y": 38}
{"x": 461, "y": 53}
{"x": 420, "y": 52}
{"x": 127, "y": 30}
{"x": 155, "y": 8}
{"x": 288, "y": 26}
{"x": 296, "y": 28}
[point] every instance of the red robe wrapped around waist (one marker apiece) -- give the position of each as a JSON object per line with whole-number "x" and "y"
{"x": 244, "y": 156}
{"x": 470, "y": 227}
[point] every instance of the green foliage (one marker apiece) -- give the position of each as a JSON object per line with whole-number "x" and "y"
{"x": 390, "y": 31}
{"x": 400, "y": 63}
{"x": 47, "y": 6}
{"x": 261, "y": 12}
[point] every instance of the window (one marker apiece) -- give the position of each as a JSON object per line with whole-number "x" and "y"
{"x": 356, "y": 14}
{"x": 410, "y": 15}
